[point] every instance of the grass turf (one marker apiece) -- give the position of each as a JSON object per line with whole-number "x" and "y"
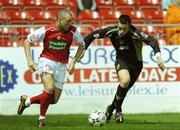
{"x": 165, "y": 121}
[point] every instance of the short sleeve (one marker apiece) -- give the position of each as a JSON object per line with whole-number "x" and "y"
{"x": 37, "y": 35}
{"x": 78, "y": 38}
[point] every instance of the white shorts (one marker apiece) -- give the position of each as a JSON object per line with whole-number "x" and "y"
{"x": 58, "y": 70}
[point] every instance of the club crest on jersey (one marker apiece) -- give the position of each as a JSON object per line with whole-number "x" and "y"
{"x": 121, "y": 41}
{"x": 58, "y": 37}
{"x": 96, "y": 35}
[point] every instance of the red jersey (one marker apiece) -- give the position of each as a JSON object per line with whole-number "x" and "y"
{"x": 56, "y": 43}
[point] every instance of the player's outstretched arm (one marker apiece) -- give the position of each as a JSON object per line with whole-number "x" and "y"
{"x": 31, "y": 63}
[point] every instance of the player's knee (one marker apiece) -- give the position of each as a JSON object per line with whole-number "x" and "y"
{"x": 124, "y": 83}
{"x": 49, "y": 90}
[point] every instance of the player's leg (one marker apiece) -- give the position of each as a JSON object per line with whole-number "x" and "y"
{"x": 121, "y": 92}
{"x": 53, "y": 88}
{"x": 59, "y": 77}
{"x": 53, "y": 99}
{"x": 134, "y": 72}
{"x": 57, "y": 94}
{"x": 124, "y": 79}
{"x": 46, "y": 97}
{"x": 26, "y": 101}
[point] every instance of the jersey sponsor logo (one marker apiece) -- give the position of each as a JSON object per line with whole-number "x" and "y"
{"x": 123, "y": 47}
{"x": 56, "y": 45}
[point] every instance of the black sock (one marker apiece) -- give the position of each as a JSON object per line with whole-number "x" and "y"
{"x": 119, "y": 98}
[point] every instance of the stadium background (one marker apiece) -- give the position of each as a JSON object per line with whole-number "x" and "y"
{"x": 94, "y": 83}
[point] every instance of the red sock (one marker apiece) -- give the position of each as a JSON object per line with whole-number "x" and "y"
{"x": 45, "y": 100}
{"x": 35, "y": 99}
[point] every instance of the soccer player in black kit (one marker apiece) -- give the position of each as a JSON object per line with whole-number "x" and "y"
{"x": 127, "y": 41}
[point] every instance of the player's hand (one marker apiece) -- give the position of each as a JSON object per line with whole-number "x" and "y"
{"x": 32, "y": 66}
{"x": 160, "y": 63}
{"x": 71, "y": 67}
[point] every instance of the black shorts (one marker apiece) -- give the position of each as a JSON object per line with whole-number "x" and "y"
{"x": 134, "y": 69}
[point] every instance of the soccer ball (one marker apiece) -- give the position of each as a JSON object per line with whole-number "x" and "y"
{"x": 97, "y": 118}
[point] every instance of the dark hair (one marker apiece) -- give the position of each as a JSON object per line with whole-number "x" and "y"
{"x": 125, "y": 19}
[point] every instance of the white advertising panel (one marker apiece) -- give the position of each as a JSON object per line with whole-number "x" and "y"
{"x": 94, "y": 82}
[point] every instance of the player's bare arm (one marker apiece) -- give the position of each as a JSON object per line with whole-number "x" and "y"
{"x": 160, "y": 62}
{"x": 79, "y": 54}
{"x": 31, "y": 63}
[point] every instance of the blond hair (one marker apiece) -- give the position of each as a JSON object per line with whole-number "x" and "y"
{"x": 64, "y": 12}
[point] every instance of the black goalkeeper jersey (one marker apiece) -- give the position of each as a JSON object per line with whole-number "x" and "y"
{"x": 129, "y": 47}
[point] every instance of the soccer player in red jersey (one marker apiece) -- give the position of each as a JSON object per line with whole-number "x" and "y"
{"x": 57, "y": 39}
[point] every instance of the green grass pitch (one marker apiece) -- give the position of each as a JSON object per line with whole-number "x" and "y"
{"x": 165, "y": 121}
